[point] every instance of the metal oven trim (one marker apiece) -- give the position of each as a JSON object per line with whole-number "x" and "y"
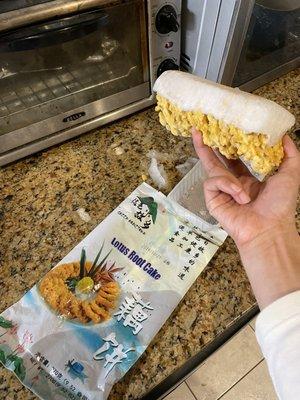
{"x": 222, "y": 35}
{"x": 63, "y": 121}
{"x": 236, "y": 38}
{"x": 280, "y": 5}
{"x": 144, "y": 41}
{"x": 270, "y": 75}
{"x": 69, "y": 133}
{"x": 54, "y": 9}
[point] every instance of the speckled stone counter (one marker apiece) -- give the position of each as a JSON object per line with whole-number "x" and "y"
{"x": 39, "y": 225}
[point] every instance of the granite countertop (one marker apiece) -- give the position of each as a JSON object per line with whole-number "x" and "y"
{"x": 39, "y": 224}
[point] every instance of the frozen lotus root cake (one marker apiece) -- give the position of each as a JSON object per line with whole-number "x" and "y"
{"x": 238, "y": 124}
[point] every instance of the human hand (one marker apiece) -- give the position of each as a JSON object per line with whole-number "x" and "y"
{"x": 245, "y": 207}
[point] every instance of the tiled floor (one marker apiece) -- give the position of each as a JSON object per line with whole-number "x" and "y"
{"x": 237, "y": 371}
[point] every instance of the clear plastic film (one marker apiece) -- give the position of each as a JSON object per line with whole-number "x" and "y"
{"x": 189, "y": 201}
{"x": 257, "y": 175}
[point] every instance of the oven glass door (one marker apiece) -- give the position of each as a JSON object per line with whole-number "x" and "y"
{"x": 272, "y": 39}
{"x": 75, "y": 67}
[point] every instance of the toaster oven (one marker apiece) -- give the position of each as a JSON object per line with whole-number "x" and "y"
{"x": 69, "y": 66}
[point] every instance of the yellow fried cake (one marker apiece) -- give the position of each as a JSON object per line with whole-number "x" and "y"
{"x": 238, "y": 124}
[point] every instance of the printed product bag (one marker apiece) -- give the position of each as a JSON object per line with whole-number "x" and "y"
{"x": 81, "y": 328}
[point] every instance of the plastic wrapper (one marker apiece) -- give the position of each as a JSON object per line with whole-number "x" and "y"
{"x": 189, "y": 202}
{"x": 89, "y": 319}
{"x": 257, "y": 175}
{"x": 187, "y": 165}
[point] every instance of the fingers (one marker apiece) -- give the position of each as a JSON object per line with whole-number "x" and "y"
{"x": 291, "y": 161}
{"x": 221, "y": 179}
{"x": 290, "y": 148}
{"x": 210, "y": 161}
{"x": 214, "y": 162}
{"x": 213, "y": 186}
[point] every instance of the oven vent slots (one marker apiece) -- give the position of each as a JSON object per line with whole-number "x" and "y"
{"x": 184, "y": 62}
{"x": 183, "y": 55}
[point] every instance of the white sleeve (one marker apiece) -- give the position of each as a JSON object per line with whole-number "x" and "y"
{"x": 278, "y": 333}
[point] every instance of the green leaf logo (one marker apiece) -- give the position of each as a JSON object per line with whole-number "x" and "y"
{"x": 152, "y": 206}
{"x": 19, "y": 368}
{"x": 4, "y": 323}
{"x": 2, "y": 357}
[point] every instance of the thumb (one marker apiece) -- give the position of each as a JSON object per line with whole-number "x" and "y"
{"x": 291, "y": 161}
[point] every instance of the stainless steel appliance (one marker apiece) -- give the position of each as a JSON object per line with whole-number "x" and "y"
{"x": 69, "y": 66}
{"x": 243, "y": 43}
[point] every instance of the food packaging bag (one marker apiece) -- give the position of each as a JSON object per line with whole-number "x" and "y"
{"x": 89, "y": 319}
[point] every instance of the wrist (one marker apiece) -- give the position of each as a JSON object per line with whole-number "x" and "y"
{"x": 277, "y": 234}
{"x": 272, "y": 261}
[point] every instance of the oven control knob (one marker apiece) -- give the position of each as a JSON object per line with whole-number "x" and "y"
{"x": 166, "y": 65}
{"x": 166, "y": 20}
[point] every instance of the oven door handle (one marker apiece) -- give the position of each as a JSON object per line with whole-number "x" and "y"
{"x": 280, "y": 5}
{"x": 53, "y": 32}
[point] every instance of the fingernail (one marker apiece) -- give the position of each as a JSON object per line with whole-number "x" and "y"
{"x": 235, "y": 187}
{"x": 244, "y": 197}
